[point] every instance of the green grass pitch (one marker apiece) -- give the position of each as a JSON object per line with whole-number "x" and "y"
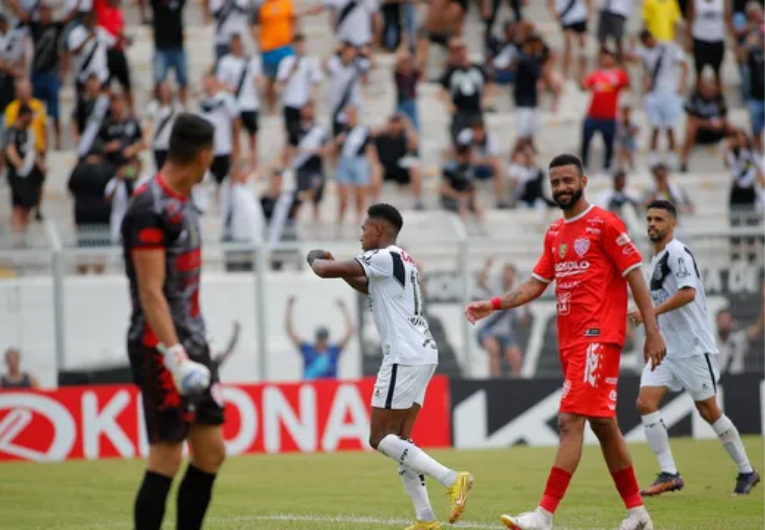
{"x": 362, "y": 490}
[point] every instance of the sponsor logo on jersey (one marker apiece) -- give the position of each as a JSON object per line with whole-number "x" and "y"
{"x": 581, "y": 246}
{"x": 592, "y": 332}
{"x": 562, "y": 251}
{"x": 568, "y": 285}
{"x": 594, "y": 231}
{"x": 623, "y": 239}
{"x": 567, "y": 268}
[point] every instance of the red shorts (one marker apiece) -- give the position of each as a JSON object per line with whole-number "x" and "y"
{"x": 591, "y": 374}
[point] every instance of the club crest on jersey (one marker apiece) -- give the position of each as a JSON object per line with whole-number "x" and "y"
{"x": 581, "y": 246}
{"x": 562, "y": 250}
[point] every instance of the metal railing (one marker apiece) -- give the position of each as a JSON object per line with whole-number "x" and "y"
{"x": 451, "y": 257}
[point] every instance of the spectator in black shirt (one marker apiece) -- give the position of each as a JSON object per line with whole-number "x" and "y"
{"x": 466, "y": 88}
{"x": 529, "y": 69}
{"x": 755, "y": 61}
{"x": 26, "y": 169}
{"x": 169, "y": 51}
{"x": 707, "y": 119}
{"x": 48, "y": 39}
{"x": 121, "y": 134}
{"x": 88, "y": 115}
{"x": 396, "y": 144}
{"x": 458, "y": 190}
{"x": 92, "y": 211}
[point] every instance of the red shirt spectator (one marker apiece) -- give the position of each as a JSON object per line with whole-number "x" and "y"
{"x": 605, "y": 85}
{"x": 109, "y": 16}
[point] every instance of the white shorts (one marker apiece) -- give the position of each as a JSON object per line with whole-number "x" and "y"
{"x": 399, "y": 386}
{"x": 664, "y": 109}
{"x": 698, "y": 375}
{"x": 527, "y": 121}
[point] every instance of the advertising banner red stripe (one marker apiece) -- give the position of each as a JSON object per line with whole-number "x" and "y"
{"x": 107, "y": 421}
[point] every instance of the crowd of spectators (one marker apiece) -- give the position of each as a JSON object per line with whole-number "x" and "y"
{"x": 47, "y": 44}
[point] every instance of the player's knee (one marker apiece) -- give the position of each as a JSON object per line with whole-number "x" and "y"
{"x": 646, "y": 405}
{"x": 569, "y": 424}
{"x": 210, "y": 457}
{"x": 709, "y": 410}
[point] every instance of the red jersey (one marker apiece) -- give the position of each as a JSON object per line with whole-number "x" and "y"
{"x": 589, "y": 256}
{"x": 605, "y": 86}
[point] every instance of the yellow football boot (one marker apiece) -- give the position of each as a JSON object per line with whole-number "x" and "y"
{"x": 458, "y": 493}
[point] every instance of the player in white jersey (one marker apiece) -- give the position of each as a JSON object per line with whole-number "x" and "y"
{"x": 390, "y": 277}
{"x": 691, "y": 361}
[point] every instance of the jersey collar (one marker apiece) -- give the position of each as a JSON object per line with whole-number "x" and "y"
{"x": 580, "y": 216}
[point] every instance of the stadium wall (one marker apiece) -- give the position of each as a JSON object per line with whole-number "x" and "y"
{"x": 106, "y": 421}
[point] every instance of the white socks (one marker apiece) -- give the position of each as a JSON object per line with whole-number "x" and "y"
{"x": 658, "y": 439}
{"x": 411, "y": 456}
{"x": 731, "y": 440}
{"x": 414, "y": 486}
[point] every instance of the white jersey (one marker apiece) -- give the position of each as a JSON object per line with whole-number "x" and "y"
{"x": 162, "y": 119}
{"x": 709, "y": 20}
{"x": 91, "y": 57}
{"x": 662, "y": 64}
{"x": 221, "y": 110}
{"x": 396, "y": 303}
{"x": 571, "y": 11}
{"x": 353, "y": 20}
{"x": 300, "y": 75}
{"x": 345, "y": 84}
{"x": 240, "y": 74}
{"x": 231, "y": 17}
{"x": 687, "y": 330}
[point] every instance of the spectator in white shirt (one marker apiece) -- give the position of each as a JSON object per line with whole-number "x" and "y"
{"x": 619, "y": 197}
{"x": 119, "y": 191}
{"x": 346, "y": 70}
{"x": 665, "y": 72}
{"x": 243, "y": 220}
{"x": 89, "y": 44}
{"x": 241, "y": 76}
{"x": 231, "y": 17}
{"x": 298, "y": 76}
{"x": 219, "y": 108}
{"x": 160, "y": 117}
{"x": 486, "y": 163}
{"x": 355, "y": 21}
{"x": 305, "y": 154}
{"x": 355, "y": 167}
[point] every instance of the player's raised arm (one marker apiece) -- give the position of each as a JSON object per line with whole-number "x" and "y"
{"x": 324, "y": 265}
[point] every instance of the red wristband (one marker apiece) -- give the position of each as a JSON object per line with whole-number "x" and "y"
{"x": 496, "y": 303}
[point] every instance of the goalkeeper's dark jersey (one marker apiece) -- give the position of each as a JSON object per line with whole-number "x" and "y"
{"x": 159, "y": 218}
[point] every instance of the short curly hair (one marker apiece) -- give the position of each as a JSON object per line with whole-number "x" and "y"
{"x": 388, "y": 213}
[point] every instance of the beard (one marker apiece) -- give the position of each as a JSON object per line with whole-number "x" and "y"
{"x": 568, "y": 202}
{"x": 655, "y": 237}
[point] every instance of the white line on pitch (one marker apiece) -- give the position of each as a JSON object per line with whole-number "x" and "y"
{"x": 355, "y": 519}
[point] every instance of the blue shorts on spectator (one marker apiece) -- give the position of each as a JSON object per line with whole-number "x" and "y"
{"x": 46, "y": 87}
{"x": 171, "y": 58}
{"x": 757, "y": 115}
{"x": 272, "y": 58}
{"x": 664, "y": 109}
{"x": 353, "y": 171}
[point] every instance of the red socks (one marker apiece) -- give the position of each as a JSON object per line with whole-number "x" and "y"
{"x": 627, "y": 486}
{"x": 557, "y": 484}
